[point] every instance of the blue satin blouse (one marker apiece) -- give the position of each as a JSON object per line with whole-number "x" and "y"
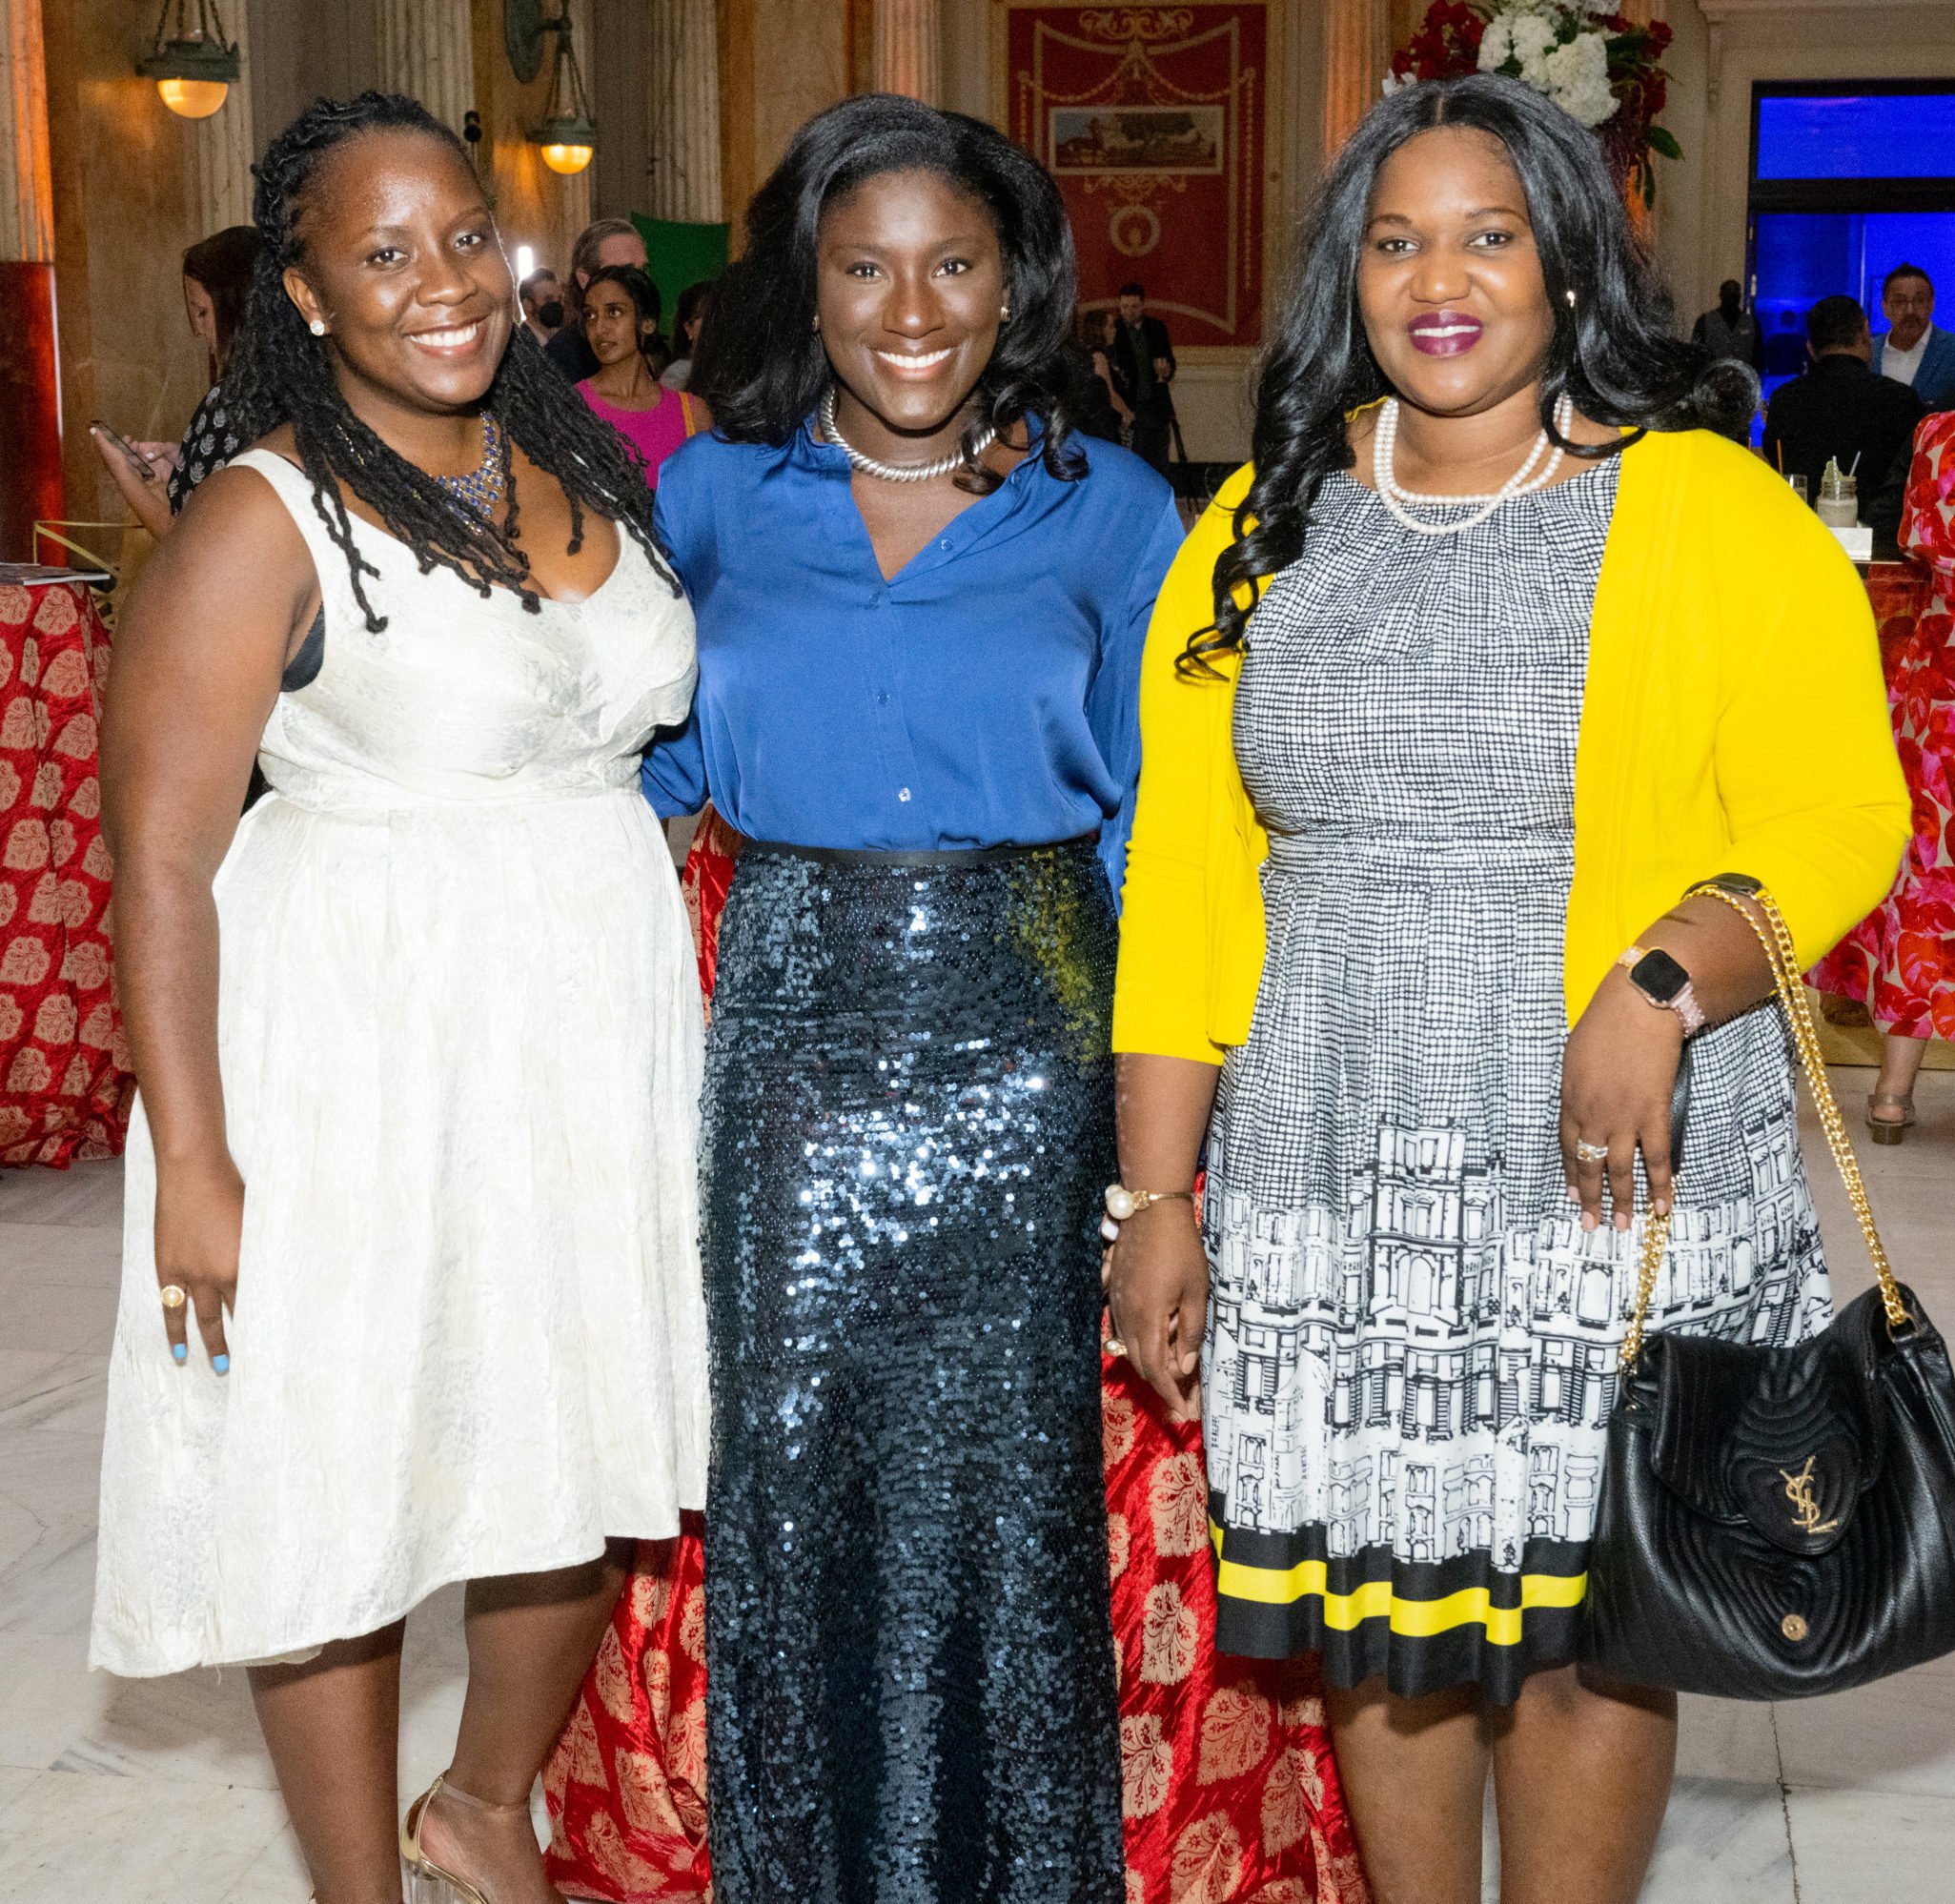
{"x": 985, "y": 695}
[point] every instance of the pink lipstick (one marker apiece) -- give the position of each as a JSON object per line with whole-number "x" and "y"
{"x": 1444, "y": 334}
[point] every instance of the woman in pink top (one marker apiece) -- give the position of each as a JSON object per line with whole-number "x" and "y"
{"x": 621, "y": 318}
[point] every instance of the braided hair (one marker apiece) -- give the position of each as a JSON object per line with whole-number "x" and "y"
{"x": 280, "y": 373}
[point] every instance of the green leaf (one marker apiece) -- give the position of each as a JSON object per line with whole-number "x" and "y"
{"x": 1661, "y": 141}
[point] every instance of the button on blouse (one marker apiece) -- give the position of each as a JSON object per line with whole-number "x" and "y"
{"x": 985, "y": 695}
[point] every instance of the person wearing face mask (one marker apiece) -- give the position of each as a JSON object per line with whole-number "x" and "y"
{"x": 541, "y": 299}
{"x": 411, "y": 1287}
{"x": 1913, "y": 349}
{"x": 1445, "y": 709}
{"x": 217, "y": 283}
{"x": 921, "y": 602}
{"x": 620, "y": 324}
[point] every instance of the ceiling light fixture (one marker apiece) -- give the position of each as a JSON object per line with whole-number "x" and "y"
{"x": 191, "y": 61}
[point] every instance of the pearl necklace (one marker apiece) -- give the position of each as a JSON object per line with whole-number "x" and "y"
{"x": 479, "y": 488}
{"x": 1401, "y": 502}
{"x": 872, "y": 466}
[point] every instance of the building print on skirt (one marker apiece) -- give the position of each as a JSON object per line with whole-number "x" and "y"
{"x": 1466, "y": 1333}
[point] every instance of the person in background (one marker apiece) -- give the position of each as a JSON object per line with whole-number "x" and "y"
{"x": 216, "y": 286}
{"x": 1900, "y": 960}
{"x": 1785, "y": 348}
{"x": 1730, "y": 330}
{"x": 606, "y": 241}
{"x": 1491, "y": 656}
{"x": 620, "y": 324}
{"x": 1142, "y": 360}
{"x": 542, "y": 304}
{"x": 1913, "y": 349}
{"x": 695, "y": 302}
{"x": 1104, "y": 413}
{"x": 1839, "y": 411}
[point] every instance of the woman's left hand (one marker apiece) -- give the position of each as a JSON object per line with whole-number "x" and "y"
{"x": 1617, "y": 1075}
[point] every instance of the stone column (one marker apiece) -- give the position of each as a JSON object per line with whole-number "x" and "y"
{"x": 29, "y": 386}
{"x": 683, "y": 112}
{"x": 1357, "y": 53}
{"x": 225, "y": 141}
{"x": 907, "y": 59}
{"x": 426, "y": 48}
{"x": 27, "y": 186}
{"x": 576, "y": 190}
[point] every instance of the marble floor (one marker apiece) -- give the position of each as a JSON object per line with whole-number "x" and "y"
{"x": 119, "y": 1792}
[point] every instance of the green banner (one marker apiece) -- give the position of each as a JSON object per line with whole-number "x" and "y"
{"x": 678, "y": 255}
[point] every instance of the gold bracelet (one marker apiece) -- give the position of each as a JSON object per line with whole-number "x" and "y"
{"x": 1123, "y": 1203}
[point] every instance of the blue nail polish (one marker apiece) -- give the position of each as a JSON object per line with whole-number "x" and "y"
{"x": 221, "y": 1364}
{"x": 180, "y": 1350}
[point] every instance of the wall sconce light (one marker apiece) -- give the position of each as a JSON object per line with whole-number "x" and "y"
{"x": 191, "y": 61}
{"x": 568, "y": 134}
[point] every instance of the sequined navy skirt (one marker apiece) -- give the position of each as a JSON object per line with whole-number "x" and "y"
{"x": 908, "y": 1122}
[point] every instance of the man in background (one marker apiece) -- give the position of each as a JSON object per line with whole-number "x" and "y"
{"x": 1142, "y": 358}
{"x": 608, "y": 241}
{"x": 1841, "y": 410}
{"x": 542, "y": 304}
{"x": 1731, "y": 331}
{"x": 1912, "y": 349}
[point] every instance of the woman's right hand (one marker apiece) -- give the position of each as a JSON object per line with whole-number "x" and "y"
{"x": 1157, "y": 1290}
{"x": 199, "y": 1221}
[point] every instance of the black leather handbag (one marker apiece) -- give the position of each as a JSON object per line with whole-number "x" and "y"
{"x": 1778, "y": 1522}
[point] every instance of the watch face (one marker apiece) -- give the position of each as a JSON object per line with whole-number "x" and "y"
{"x": 1659, "y": 976}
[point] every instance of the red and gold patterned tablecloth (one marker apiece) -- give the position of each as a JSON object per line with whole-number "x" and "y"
{"x": 64, "y": 1086}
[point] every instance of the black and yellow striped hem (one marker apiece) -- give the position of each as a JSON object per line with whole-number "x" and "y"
{"x": 1424, "y": 1625}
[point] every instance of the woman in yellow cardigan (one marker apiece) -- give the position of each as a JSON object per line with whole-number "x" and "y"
{"x": 1446, "y": 704}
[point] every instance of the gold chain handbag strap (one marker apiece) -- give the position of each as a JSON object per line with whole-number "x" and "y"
{"x": 1776, "y": 938}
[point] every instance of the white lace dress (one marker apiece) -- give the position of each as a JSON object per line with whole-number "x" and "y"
{"x": 460, "y": 1031}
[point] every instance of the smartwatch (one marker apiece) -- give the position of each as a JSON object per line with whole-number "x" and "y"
{"x": 1665, "y": 984}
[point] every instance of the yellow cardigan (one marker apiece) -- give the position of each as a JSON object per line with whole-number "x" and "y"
{"x": 1734, "y": 720}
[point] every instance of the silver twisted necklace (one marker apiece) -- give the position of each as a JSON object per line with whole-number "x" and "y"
{"x": 873, "y": 466}
{"x": 1401, "y": 502}
{"x": 479, "y": 488}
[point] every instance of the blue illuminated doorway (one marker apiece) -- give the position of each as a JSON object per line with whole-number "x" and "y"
{"x": 1848, "y": 180}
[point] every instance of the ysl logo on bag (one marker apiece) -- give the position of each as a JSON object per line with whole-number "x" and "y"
{"x": 1805, "y": 1509}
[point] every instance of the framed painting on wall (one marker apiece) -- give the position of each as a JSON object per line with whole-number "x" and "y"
{"x": 1153, "y": 120}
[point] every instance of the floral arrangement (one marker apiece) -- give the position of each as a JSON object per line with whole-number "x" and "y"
{"x": 1603, "y": 70}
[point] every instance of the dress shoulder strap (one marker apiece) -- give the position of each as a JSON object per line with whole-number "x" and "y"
{"x": 294, "y": 490}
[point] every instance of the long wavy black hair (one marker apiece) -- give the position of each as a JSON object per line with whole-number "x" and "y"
{"x": 1614, "y": 350}
{"x": 280, "y": 373}
{"x": 761, "y": 365}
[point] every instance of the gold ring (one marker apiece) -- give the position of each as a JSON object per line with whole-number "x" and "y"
{"x": 1591, "y": 1153}
{"x": 1114, "y": 1346}
{"x": 173, "y": 1296}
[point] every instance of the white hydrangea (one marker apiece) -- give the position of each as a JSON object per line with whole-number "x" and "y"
{"x": 1577, "y": 79}
{"x": 1575, "y": 76}
{"x": 1534, "y": 42}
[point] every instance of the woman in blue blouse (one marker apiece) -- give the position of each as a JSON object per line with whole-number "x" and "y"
{"x": 921, "y": 607}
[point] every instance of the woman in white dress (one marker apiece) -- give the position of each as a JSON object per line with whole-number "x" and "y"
{"x": 411, "y": 1293}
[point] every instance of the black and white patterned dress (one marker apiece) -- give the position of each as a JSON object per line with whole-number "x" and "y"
{"x": 209, "y": 443}
{"x": 1412, "y": 1343}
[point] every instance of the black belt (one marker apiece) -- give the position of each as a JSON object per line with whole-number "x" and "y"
{"x": 949, "y": 856}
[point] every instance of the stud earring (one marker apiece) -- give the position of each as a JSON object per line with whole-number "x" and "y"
{"x": 317, "y": 327}
{"x": 816, "y": 326}
{"x": 1570, "y": 296}
{"x": 1004, "y": 313}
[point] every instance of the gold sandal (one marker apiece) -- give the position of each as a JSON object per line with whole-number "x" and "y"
{"x": 427, "y": 1882}
{"x": 1890, "y": 1129}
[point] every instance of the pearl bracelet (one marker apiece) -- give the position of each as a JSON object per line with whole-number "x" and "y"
{"x": 1123, "y": 1203}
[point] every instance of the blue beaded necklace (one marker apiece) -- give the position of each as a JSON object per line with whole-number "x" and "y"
{"x": 482, "y": 486}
